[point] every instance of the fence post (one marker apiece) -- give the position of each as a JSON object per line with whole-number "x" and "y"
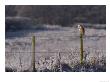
{"x": 81, "y": 48}
{"x": 82, "y": 32}
{"x": 33, "y": 53}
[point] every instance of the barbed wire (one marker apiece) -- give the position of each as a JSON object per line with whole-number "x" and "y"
{"x": 57, "y": 38}
{"x": 54, "y": 36}
{"x": 57, "y": 52}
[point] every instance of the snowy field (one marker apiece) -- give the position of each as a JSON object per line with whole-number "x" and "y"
{"x": 56, "y": 44}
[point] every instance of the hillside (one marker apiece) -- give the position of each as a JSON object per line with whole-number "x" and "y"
{"x": 65, "y": 15}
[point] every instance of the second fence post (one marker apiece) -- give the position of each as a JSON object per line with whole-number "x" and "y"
{"x": 33, "y": 53}
{"x": 82, "y": 32}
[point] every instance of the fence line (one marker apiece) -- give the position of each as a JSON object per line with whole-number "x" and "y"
{"x": 33, "y": 52}
{"x": 56, "y": 52}
{"x": 58, "y": 36}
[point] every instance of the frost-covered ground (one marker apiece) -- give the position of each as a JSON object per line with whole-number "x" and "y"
{"x": 56, "y": 50}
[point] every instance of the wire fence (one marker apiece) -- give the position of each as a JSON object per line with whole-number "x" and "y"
{"x": 49, "y": 41}
{"x": 19, "y": 51}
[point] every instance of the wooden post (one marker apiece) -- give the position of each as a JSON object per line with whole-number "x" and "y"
{"x": 82, "y": 32}
{"x": 81, "y": 48}
{"x": 33, "y": 53}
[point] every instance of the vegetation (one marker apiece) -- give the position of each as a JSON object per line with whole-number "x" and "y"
{"x": 86, "y": 67}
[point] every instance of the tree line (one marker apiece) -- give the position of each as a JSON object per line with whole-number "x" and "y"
{"x": 64, "y": 15}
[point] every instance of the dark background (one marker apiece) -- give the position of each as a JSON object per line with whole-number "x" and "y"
{"x": 64, "y": 15}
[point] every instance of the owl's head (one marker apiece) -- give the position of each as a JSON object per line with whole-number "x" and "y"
{"x": 79, "y": 26}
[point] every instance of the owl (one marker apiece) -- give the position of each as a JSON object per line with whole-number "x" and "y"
{"x": 81, "y": 29}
